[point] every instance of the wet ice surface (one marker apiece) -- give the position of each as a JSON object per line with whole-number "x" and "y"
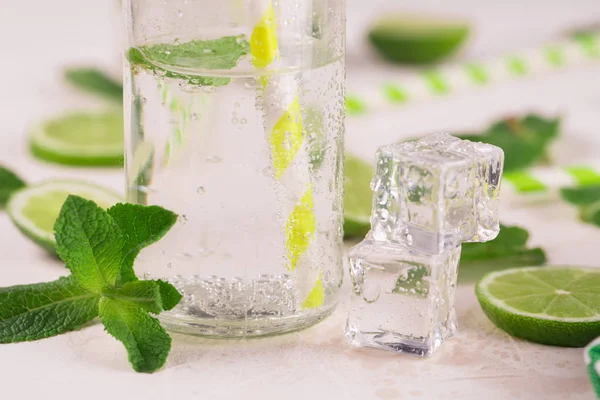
{"x": 402, "y": 300}
{"x": 437, "y": 192}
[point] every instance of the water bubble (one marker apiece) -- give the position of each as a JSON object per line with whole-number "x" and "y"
{"x": 194, "y": 116}
{"x": 214, "y": 159}
{"x": 144, "y": 100}
{"x": 176, "y": 42}
{"x": 182, "y": 219}
{"x": 179, "y": 13}
{"x": 409, "y": 238}
{"x": 167, "y": 52}
{"x": 208, "y": 51}
{"x": 234, "y": 121}
{"x": 268, "y": 171}
{"x": 169, "y": 265}
{"x": 200, "y": 190}
{"x": 236, "y": 105}
{"x": 243, "y": 121}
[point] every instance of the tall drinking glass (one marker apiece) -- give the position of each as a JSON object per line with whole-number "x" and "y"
{"x": 234, "y": 115}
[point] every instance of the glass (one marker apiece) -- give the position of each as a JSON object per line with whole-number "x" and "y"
{"x": 235, "y": 121}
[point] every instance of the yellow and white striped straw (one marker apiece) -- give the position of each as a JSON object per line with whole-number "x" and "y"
{"x": 289, "y": 154}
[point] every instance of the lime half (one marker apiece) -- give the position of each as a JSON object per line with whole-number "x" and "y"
{"x": 417, "y": 39}
{"x": 85, "y": 139}
{"x": 357, "y": 197}
{"x": 558, "y": 306}
{"x": 34, "y": 209}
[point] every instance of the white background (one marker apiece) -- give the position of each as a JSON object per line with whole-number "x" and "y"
{"x": 38, "y": 38}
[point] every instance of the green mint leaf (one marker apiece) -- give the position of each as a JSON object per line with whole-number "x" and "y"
{"x": 146, "y": 341}
{"x": 170, "y": 296}
{"x": 89, "y": 241}
{"x": 222, "y": 53}
{"x": 141, "y": 226}
{"x": 587, "y": 199}
{"x": 96, "y": 82}
{"x": 145, "y": 294}
{"x": 581, "y": 196}
{"x": 9, "y": 183}
{"x": 41, "y": 310}
{"x": 525, "y": 141}
{"x": 508, "y": 250}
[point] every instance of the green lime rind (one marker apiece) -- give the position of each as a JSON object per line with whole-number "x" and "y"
{"x": 417, "y": 40}
{"x": 357, "y": 197}
{"x": 571, "y": 326}
{"x": 34, "y": 209}
{"x": 80, "y": 139}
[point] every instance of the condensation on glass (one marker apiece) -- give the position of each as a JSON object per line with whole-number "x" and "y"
{"x": 234, "y": 116}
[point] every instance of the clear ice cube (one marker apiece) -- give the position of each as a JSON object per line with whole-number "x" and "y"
{"x": 402, "y": 299}
{"x": 437, "y": 192}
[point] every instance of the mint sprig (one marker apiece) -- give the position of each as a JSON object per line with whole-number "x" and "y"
{"x": 9, "y": 183}
{"x": 99, "y": 248}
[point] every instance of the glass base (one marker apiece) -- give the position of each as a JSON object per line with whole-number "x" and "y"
{"x": 219, "y": 328}
{"x": 394, "y": 342}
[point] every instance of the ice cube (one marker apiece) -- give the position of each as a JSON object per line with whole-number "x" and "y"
{"x": 437, "y": 192}
{"x": 402, "y": 299}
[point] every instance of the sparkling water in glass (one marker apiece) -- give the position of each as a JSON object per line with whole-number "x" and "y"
{"x": 235, "y": 121}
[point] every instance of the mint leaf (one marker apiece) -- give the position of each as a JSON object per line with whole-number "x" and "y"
{"x": 96, "y": 82}
{"x": 525, "y": 141}
{"x": 145, "y": 294}
{"x": 9, "y": 183}
{"x": 90, "y": 243}
{"x": 581, "y": 196}
{"x": 141, "y": 226}
{"x": 587, "y": 199}
{"x": 508, "y": 250}
{"x": 170, "y": 296}
{"x": 222, "y": 53}
{"x": 146, "y": 341}
{"x": 41, "y": 310}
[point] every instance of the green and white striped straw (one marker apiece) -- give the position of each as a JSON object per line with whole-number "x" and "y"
{"x": 548, "y": 180}
{"x": 573, "y": 52}
{"x": 592, "y": 362}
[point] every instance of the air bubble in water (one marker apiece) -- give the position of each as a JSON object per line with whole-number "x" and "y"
{"x": 169, "y": 265}
{"x": 200, "y": 190}
{"x": 179, "y": 13}
{"x": 182, "y": 219}
{"x": 243, "y": 121}
{"x": 194, "y": 116}
{"x": 144, "y": 100}
{"x": 176, "y": 42}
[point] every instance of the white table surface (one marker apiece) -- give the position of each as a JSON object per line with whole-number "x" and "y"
{"x": 40, "y": 37}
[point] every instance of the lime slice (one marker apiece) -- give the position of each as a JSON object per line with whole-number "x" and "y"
{"x": 86, "y": 139}
{"x": 357, "y": 197}
{"x": 34, "y": 209}
{"x": 558, "y": 306}
{"x": 417, "y": 39}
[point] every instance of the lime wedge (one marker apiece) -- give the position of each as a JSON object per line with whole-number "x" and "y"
{"x": 407, "y": 39}
{"x": 86, "y": 139}
{"x": 34, "y": 209}
{"x": 558, "y": 306}
{"x": 357, "y": 197}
